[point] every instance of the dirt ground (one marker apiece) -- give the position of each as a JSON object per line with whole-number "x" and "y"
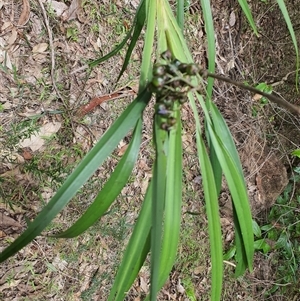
{"x": 55, "y": 95}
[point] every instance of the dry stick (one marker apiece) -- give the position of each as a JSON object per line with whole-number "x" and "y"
{"x": 51, "y": 48}
{"x": 279, "y": 101}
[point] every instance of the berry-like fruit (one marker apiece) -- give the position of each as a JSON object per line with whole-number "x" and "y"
{"x": 159, "y": 70}
{"x": 158, "y": 82}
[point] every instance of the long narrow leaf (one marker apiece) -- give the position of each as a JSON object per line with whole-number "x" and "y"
{"x": 243, "y": 217}
{"x": 167, "y": 25}
{"x": 244, "y": 249}
{"x": 158, "y": 202}
{"x": 223, "y": 131}
{"x": 122, "y": 44}
{"x": 217, "y": 168}
{"x": 212, "y": 210}
{"x": 247, "y": 11}
{"x": 180, "y": 14}
{"x": 146, "y": 70}
{"x": 240, "y": 199}
{"x": 136, "y": 251}
{"x": 210, "y": 34}
{"x": 173, "y": 199}
{"x": 111, "y": 189}
{"x": 81, "y": 174}
{"x": 229, "y": 161}
{"x": 241, "y": 255}
{"x": 292, "y": 33}
{"x": 140, "y": 21}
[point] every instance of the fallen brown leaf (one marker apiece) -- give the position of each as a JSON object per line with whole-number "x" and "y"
{"x": 96, "y": 101}
{"x": 73, "y": 10}
{"x": 6, "y": 221}
{"x": 39, "y": 48}
{"x": 24, "y": 18}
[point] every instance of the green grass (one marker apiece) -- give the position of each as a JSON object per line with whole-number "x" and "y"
{"x": 282, "y": 231}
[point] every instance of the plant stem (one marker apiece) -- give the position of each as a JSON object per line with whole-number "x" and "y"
{"x": 279, "y": 101}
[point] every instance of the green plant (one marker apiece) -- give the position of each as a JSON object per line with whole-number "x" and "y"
{"x": 173, "y": 80}
{"x": 72, "y": 33}
{"x": 20, "y": 131}
{"x": 283, "y": 229}
{"x": 280, "y": 237}
{"x": 296, "y": 153}
{"x": 261, "y": 101}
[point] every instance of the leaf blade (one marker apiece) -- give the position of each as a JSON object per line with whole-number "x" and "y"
{"x": 81, "y": 174}
{"x": 111, "y": 189}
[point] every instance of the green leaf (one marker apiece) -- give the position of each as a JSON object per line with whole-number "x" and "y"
{"x": 212, "y": 208}
{"x": 261, "y": 244}
{"x": 158, "y": 203}
{"x": 296, "y": 153}
{"x": 136, "y": 251}
{"x": 264, "y": 88}
{"x": 122, "y": 44}
{"x": 267, "y": 227}
{"x": 146, "y": 70}
{"x": 209, "y": 28}
{"x": 247, "y": 11}
{"x": 256, "y": 229}
{"x": 173, "y": 200}
{"x": 230, "y": 253}
{"x": 139, "y": 24}
{"x": 111, "y": 189}
{"x": 180, "y": 14}
{"x": 240, "y": 255}
{"x": 282, "y": 241}
{"x": 217, "y": 169}
{"x": 292, "y": 33}
{"x": 82, "y": 173}
{"x": 229, "y": 160}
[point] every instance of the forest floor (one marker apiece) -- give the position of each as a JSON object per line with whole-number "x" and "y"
{"x": 53, "y": 109}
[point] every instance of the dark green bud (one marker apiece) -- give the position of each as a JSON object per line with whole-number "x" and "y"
{"x": 154, "y": 89}
{"x": 176, "y": 63}
{"x": 192, "y": 69}
{"x": 159, "y": 70}
{"x": 182, "y": 67}
{"x": 171, "y": 121}
{"x": 168, "y": 102}
{"x": 158, "y": 82}
{"x": 176, "y": 83}
{"x": 183, "y": 99}
{"x": 164, "y": 126}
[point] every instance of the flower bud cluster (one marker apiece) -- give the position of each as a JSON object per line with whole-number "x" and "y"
{"x": 171, "y": 83}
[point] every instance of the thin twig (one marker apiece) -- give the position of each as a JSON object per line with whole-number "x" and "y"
{"x": 279, "y": 101}
{"x": 51, "y": 49}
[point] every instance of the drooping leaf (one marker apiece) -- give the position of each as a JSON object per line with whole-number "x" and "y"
{"x": 292, "y": 33}
{"x": 247, "y": 11}
{"x": 212, "y": 209}
{"x": 111, "y": 189}
{"x": 136, "y": 251}
{"x": 173, "y": 200}
{"x": 81, "y": 174}
{"x": 140, "y": 21}
{"x": 136, "y": 20}
{"x": 158, "y": 203}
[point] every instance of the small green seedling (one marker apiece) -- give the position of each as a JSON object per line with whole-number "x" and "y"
{"x": 296, "y": 153}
